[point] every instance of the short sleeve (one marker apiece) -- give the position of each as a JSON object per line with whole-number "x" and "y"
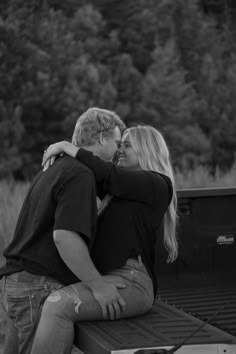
{"x": 76, "y": 208}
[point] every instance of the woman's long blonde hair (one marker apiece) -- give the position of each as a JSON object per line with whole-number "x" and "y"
{"x": 153, "y": 155}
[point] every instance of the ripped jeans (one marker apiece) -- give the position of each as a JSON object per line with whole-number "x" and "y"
{"x": 73, "y": 303}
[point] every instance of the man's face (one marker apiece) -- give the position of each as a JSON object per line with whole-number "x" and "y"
{"x": 110, "y": 145}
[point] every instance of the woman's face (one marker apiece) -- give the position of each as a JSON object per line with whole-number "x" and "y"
{"x": 127, "y": 157}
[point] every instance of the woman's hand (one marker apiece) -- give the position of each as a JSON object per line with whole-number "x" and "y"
{"x": 53, "y": 150}
{"x": 51, "y": 153}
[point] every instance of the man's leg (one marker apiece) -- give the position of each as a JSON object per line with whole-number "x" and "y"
{"x": 11, "y": 339}
{"x": 23, "y": 295}
{"x": 11, "y": 333}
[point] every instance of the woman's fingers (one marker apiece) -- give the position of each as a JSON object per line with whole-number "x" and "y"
{"x": 45, "y": 157}
{"x": 50, "y": 155}
{"x": 46, "y": 165}
{"x": 52, "y": 160}
{"x": 49, "y": 162}
{"x": 51, "y": 151}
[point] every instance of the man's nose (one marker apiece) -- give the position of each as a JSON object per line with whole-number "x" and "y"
{"x": 121, "y": 148}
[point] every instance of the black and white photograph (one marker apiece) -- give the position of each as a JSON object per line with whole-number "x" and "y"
{"x": 118, "y": 176}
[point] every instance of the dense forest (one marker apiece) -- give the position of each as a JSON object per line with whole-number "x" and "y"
{"x": 168, "y": 63}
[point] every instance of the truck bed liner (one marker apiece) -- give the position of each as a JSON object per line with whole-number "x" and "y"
{"x": 203, "y": 302}
{"x": 164, "y": 326}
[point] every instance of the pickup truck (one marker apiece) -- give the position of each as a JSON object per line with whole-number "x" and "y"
{"x": 195, "y": 309}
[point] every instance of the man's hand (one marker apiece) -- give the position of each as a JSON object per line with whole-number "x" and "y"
{"x": 106, "y": 293}
{"x": 74, "y": 252}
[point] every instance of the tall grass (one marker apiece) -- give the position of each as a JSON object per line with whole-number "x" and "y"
{"x": 11, "y": 198}
{"x": 201, "y": 177}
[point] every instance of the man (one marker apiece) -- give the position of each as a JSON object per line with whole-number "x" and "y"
{"x": 55, "y": 232}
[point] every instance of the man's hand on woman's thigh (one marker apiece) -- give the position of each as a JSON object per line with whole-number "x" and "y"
{"x": 106, "y": 294}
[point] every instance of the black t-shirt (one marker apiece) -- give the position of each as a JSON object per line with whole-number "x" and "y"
{"x": 128, "y": 225}
{"x": 62, "y": 198}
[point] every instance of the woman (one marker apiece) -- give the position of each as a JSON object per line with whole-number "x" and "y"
{"x": 140, "y": 197}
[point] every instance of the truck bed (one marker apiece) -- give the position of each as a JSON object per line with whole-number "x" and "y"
{"x": 198, "y": 289}
{"x": 204, "y": 302}
{"x": 163, "y": 327}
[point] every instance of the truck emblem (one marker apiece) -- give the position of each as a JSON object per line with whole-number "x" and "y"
{"x": 225, "y": 239}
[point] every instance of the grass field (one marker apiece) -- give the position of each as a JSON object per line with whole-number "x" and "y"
{"x": 12, "y": 195}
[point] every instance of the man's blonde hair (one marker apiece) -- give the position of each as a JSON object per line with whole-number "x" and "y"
{"x": 93, "y": 122}
{"x": 153, "y": 155}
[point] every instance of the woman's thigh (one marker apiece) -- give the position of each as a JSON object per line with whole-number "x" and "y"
{"x": 139, "y": 292}
{"x": 77, "y": 303}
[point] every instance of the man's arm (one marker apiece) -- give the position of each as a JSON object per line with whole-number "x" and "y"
{"x": 75, "y": 254}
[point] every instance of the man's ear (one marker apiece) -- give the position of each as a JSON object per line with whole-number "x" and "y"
{"x": 101, "y": 139}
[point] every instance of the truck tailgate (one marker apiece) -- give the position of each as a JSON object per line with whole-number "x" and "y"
{"x": 163, "y": 327}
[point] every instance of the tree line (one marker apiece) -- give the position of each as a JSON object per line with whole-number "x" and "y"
{"x": 160, "y": 62}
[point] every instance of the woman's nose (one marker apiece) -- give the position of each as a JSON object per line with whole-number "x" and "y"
{"x": 120, "y": 151}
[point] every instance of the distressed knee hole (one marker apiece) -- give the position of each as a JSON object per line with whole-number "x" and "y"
{"x": 57, "y": 296}
{"x": 75, "y": 297}
{"x": 77, "y": 305}
{"x": 54, "y": 297}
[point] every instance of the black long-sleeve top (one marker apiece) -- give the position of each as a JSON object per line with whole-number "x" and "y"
{"x": 128, "y": 225}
